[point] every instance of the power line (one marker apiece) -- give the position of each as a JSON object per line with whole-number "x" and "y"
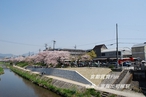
{"x": 96, "y": 42}
{"x": 102, "y": 42}
{"x": 99, "y": 42}
{"x": 19, "y": 43}
{"x": 126, "y": 43}
{"x": 133, "y": 38}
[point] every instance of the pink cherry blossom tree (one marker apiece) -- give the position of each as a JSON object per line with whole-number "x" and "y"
{"x": 19, "y": 59}
{"x": 39, "y": 58}
{"x": 30, "y": 59}
{"x": 85, "y": 57}
{"x": 46, "y": 57}
{"x": 12, "y": 59}
{"x": 56, "y": 57}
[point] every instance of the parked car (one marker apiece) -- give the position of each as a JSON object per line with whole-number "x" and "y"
{"x": 127, "y": 64}
{"x": 104, "y": 64}
{"x": 113, "y": 64}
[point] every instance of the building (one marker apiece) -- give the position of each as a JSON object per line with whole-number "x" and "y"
{"x": 139, "y": 51}
{"x": 73, "y": 52}
{"x": 112, "y": 53}
{"x": 105, "y": 54}
{"x": 98, "y": 49}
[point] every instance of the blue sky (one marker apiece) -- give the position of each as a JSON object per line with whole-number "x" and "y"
{"x": 27, "y": 25}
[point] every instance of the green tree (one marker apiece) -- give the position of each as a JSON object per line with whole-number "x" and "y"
{"x": 92, "y": 54}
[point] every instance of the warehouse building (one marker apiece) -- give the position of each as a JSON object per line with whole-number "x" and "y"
{"x": 112, "y": 53}
{"x": 139, "y": 51}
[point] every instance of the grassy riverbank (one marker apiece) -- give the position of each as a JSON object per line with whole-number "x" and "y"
{"x": 46, "y": 83}
{"x": 1, "y": 71}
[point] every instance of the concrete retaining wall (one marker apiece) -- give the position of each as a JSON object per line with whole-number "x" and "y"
{"x": 56, "y": 82}
{"x": 67, "y": 74}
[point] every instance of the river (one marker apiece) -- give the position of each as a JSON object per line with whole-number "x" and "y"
{"x": 12, "y": 85}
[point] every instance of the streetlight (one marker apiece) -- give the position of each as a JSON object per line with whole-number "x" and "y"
{"x": 117, "y": 44}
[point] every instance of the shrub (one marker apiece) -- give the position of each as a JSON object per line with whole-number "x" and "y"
{"x": 112, "y": 95}
{"x": 111, "y": 66}
{"x": 22, "y": 64}
{"x": 92, "y": 91}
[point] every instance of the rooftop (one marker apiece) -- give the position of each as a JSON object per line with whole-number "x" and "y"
{"x": 140, "y": 45}
{"x": 119, "y": 49}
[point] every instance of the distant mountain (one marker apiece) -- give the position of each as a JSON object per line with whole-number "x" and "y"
{"x": 6, "y": 55}
{"x": 11, "y": 55}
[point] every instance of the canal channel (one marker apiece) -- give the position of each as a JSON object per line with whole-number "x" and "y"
{"x": 12, "y": 85}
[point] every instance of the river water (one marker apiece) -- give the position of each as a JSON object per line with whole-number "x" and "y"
{"x": 12, "y": 85}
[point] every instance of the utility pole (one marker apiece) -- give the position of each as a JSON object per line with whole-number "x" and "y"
{"x": 29, "y": 53}
{"x": 54, "y": 44}
{"x": 75, "y": 52}
{"x": 46, "y": 46}
{"x": 75, "y": 47}
{"x": 117, "y": 44}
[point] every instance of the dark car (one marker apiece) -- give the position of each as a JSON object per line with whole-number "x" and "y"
{"x": 114, "y": 64}
{"x": 127, "y": 64}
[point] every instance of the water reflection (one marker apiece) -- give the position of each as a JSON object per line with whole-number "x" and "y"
{"x": 12, "y": 85}
{"x": 37, "y": 90}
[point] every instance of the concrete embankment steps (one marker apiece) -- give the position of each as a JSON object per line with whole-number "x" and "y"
{"x": 124, "y": 78}
{"x": 110, "y": 80}
{"x": 122, "y": 75}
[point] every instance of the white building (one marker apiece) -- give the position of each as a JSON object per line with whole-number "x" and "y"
{"x": 112, "y": 53}
{"x": 139, "y": 51}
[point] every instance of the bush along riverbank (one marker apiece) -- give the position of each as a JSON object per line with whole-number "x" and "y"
{"x": 1, "y": 71}
{"x": 47, "y": 83}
